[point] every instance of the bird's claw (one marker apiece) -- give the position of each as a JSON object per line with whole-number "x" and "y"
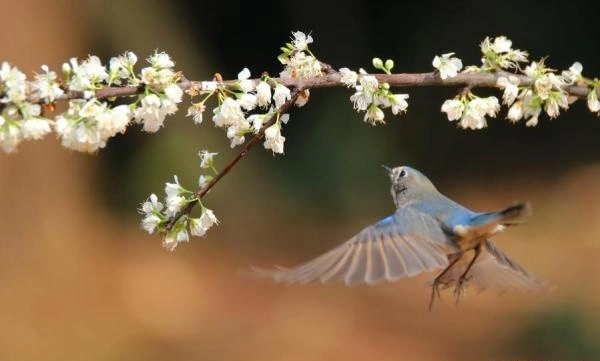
{"x": 435, "y": 291}
{"x": 460, "y": 287}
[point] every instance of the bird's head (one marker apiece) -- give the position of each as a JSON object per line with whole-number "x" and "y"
{"x": 408, "y": 184}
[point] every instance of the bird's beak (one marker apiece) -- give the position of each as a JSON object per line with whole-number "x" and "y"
{"x": 388, "y": 169}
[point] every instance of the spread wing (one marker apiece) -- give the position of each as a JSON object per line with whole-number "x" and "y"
{"x": 403, "y": 244}
{"x": 493, "y": 269}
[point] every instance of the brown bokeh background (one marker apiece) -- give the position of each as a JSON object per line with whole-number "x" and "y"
{"x": 80, "y": 281}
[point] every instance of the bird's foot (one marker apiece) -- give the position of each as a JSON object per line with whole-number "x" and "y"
{"x": 435, "y": 291}
{"x": 460, "y": 287}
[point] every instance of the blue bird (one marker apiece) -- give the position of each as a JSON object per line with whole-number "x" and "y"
{"x": 428, "y": 231}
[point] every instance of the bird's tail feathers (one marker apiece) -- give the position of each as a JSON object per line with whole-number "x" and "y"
{"x": 515, "y": 213}
{"x": 512, "y": 215}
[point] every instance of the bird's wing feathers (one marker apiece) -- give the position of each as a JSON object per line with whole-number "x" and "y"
{"x": 493, "y": 269}
{"x": 404, "y": 244}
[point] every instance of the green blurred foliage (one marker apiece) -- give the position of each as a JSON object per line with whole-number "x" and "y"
{"x": 560, "y": 333}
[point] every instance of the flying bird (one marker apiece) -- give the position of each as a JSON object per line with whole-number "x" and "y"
{"x": 428, "y": 231}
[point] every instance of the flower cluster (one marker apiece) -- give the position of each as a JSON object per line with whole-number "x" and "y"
{"x": 574, "y": 76}
{"x": 88, "y": 122}
{"x": 161, "y": 95}
{"x": 370, "y": 95}
{"x": 299, "y": 61}
{"x": 245, "y": 105}
{"x": 157, "y": 217}
{"x": 471, "y": 110}
{"x": 19, "y": 118}
{"x": 498, "y": 54}
{"x": 526, "y": 102}
{"x": 87, "y": 125}
{"x": 545, "y": 91}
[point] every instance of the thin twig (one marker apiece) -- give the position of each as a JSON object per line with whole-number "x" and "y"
{"x": 332, "y": 79}
{"x": 247, "y": 147}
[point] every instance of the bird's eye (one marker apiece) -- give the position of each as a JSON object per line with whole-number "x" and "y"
{"x": 402, "y": 173}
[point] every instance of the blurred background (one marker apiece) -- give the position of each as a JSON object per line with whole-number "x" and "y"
{"x": 79, "y": 279}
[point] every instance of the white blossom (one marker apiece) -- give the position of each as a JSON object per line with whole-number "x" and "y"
{"x": 543, "y": 86}
{"x": 361, "y": 99}
{"x": 151, "y": 113}
{"x": 301, "y": 40}
{"x": 87, "y": 75}
{"x": 533, "y": 120}
{"x": 208, "y": 218}
{"x": 555, "y": 102}
{"x": 228, "y": 113}
{"x": 499, "y": 54}
{"x": 14, "y": 82}
{"x": 348, "y": 77}
{"x": 35, "y": 128}
{"x": 551, "y": 107}
{"x": 516, "y": 56}
{"x": 301, "y": 65}
{"x": 120, "y": 67}
{"x": 474, "y": 114}
{"x": 472, "y": 119}
{"x": 248, "y": 101}
{"x": 174, "y": 201}
{"x": 170, "y": 242}
{"x": 206, "y": 159}
{"x": 46, "y": 86}
{"x": 263, "y": 94}
{"x": 501, "y": 45}
{"x": 203, "y": 181}
{"x": 246, "y": 84}
{"x": 374, "y": 115}
{"x": 532, "y": 107}
{"x": 453, "y": 108}
{"x": 173, "y": 189}
{"x": 273, "y": 139}
{"x": 182, "y": 236}
{"x": 150, "y": 222}
{"x": 196, "y": 227}
{"x": 515, "y": 112}
{"x": 174, "y": 93}
{"x": 10, "y": 135}
{"x": 199, "y": 226}
{"x": 195, "y": 111}
{"x": 533, "y": 70}
{"x": 114, "y": 120}
{"x": 399, "y": 103}
{"x": 447, "y": 65}
{"x": 369, "y": 83}
{"x": 158, "y": 79}
{"x": 492, "y": 106}
{"x": 87, "y": 125}
{"x": 152, "y": 205}
{"x": 573, "y": 74}
{"x": 152, "y": 209}
{"x": 592, "y": 100}
{"x": 281, "y": 95}
{"x": 161, "y": 60}
{"x": 236, "y": 133}
{"x": 255, "y": 121}
{"x": 511, "y": 88}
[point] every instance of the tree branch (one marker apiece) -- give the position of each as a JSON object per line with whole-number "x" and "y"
{"x": 332, "y": 79}
{"x": 247, "y": 147}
